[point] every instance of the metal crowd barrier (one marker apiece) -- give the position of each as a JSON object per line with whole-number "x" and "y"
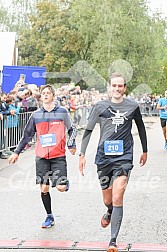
{"x": 11, "y": 130}
{"x": 10, "y": 136}
{"x": 2, "y": 136}
{"x": 149, "y": 109}
{"x": 81, "y": 114}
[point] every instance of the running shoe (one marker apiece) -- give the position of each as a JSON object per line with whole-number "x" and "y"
{"x": 4, "y": 155}
{"x": 165, "y": 147}
{"x": 67, "y": 185}
{"x": 105, "y": 220}
{"x": 112, "y": 247}
{"x": 49, "y": 222}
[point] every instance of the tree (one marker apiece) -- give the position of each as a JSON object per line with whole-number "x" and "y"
{"x": 16, "y": 14}
{"x": 98, "y": 32}
{"x": 4, "y": 19}
{"x": 50, "y": 40}
{"x": 112, "y": 30}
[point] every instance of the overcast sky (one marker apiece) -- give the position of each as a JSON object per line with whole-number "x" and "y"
{"x": 161, "y": 5}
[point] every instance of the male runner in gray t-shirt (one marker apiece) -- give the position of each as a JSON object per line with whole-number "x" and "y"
{"x": 114, "y": 157}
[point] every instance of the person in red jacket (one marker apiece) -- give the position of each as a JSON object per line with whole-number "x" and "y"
{"x": 49, "y": 123}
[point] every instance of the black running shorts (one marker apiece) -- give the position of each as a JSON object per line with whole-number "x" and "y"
{"x": 54, "y": 169}
{"x": 110, "y": 172}
{"x": 163, "y": 122}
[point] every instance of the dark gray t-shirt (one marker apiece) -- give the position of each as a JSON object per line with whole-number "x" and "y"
{"x": 115, "y": 121}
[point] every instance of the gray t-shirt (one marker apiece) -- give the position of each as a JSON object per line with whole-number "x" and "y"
{"x": 115, "y": 121}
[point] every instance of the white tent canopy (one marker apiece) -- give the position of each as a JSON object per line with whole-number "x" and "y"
{"x": 7, "y": 47}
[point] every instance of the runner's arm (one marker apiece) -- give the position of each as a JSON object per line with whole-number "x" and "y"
{"x": 141, "y": 129}
{"x": 71, "y": 129}
{"x": 85, "y": 141}
{"x": 159, "y": 107}
{"x": 72, "y": 132}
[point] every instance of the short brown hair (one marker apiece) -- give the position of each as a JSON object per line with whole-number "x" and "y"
{"x": 117, "y": 75}
{"x": 9, "y": 99}
{"x": 49, "y": 87}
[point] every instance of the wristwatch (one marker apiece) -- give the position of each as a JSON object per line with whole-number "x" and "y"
{"x": 81, "y": 154}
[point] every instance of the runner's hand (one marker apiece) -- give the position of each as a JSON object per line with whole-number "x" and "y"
{"x": 13, "y": 158}
{"x": 82, "y": 162}
{"x": 143, "y": 159}
{"x": 72, "y": 151}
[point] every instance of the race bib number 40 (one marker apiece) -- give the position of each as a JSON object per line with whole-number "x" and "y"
{"x": 114, "y": 147}
{"x": 48, "y": 140}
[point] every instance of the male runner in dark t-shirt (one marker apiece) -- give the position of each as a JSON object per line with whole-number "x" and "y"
{"x": 114, "y": 157}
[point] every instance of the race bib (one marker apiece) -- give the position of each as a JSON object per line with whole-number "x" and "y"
{"x": 114, "y": 147}
{"x": 48, "y": 140}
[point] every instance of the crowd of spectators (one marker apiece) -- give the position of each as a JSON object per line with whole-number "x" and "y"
{"x": 26, "y": 98}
